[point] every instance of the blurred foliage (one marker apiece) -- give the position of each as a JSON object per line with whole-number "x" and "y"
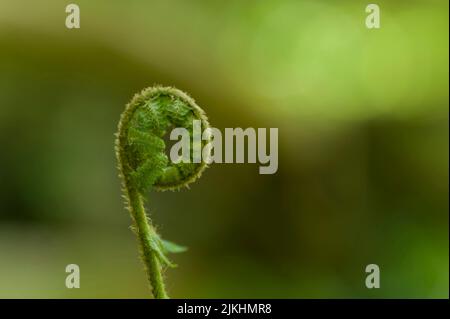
{"x": 363, "y": 163}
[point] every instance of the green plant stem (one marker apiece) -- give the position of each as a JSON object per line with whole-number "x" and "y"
{"x": 145, "y": 232}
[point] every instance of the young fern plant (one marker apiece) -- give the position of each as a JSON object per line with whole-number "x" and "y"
{"x": 144, "y": 166}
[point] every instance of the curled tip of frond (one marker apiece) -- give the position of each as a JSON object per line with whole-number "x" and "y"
{"x": 140, "y": 147}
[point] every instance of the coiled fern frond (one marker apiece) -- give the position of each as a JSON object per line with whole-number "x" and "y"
{"x": 144, "y": 165}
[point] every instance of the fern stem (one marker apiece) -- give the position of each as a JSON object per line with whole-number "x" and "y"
{"x": 145, "y": 232}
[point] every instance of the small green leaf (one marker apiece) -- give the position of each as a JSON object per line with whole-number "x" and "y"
{"x": 156, "y": 246}
{"x": 170, "y": 247}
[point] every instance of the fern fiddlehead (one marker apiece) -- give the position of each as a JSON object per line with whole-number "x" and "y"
{"x": 144, "y": 166}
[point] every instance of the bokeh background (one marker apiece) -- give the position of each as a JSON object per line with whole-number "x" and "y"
{"x": 363, "y": 147}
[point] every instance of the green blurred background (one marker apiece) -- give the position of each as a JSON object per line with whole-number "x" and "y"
{"x": 363, "y": 147}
